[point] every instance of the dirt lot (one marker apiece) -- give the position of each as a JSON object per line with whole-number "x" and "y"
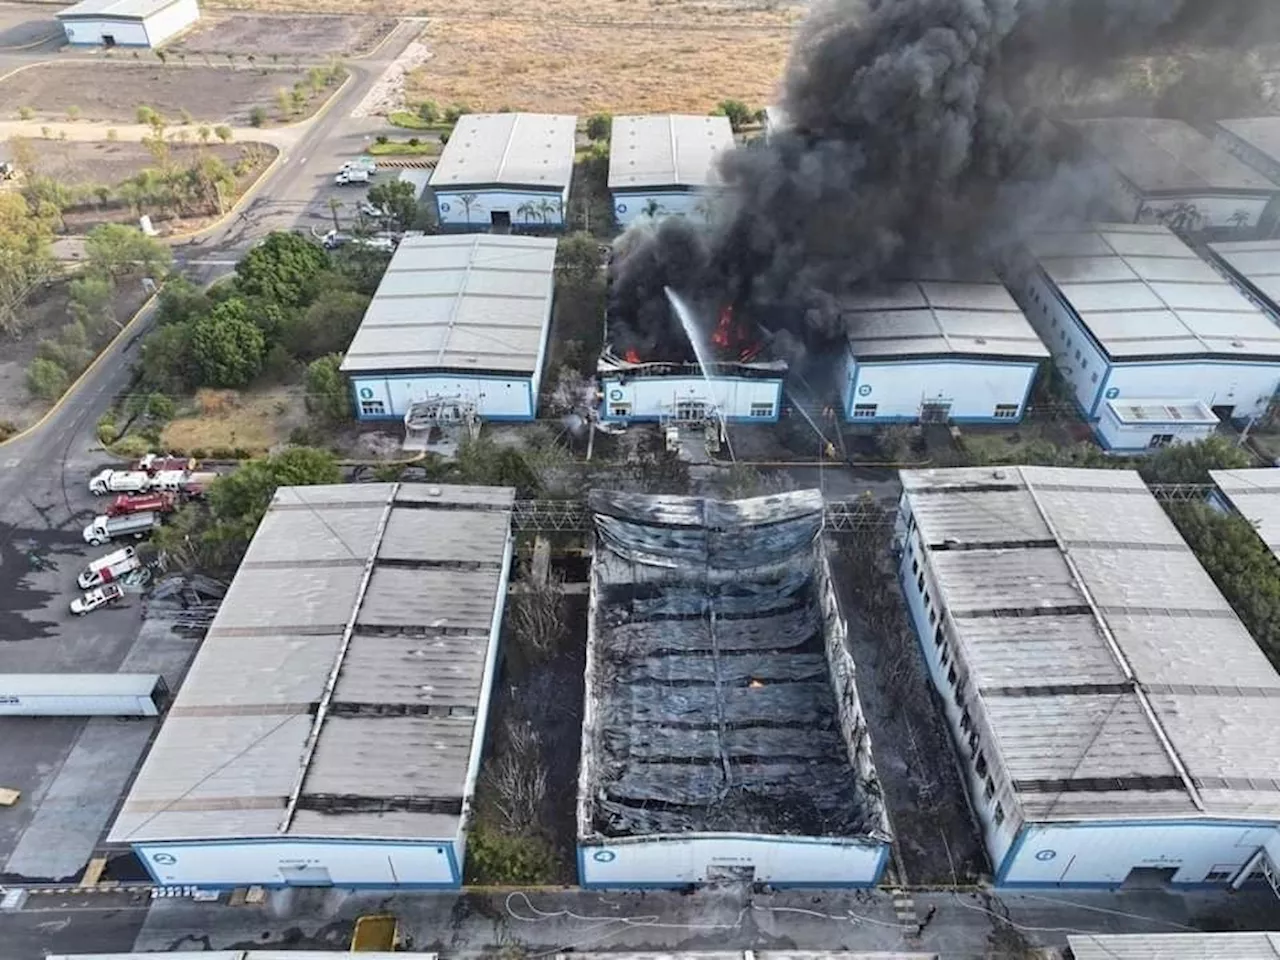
{"x": 253, "y": 421}
{"x": 46, "y": 315}
{"x": 76, "y": 162}
{"x": 21, "y": 24}
{"x": 538, "y": 65}
{"x": 114, "y": 93}
{"x": 311, "y": 38}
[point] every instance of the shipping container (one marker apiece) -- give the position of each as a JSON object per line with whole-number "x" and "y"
{"x": 82, "y": 694}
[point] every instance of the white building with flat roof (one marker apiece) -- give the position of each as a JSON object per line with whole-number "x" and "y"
{"x": 1255, "y": 495}
{"x": 1113, "y": 716}
{"x": 1139, "y": 426}
{"x": 126, "y": 23}
{"x": 938, "y": 350}
{"x": 663, "y": 164}
{"x": 505, "y": 170}
{"x": 1168, "y": 171}
{"x": 1256, "y": 141}
{"x": 1255, "y": 267}
{"x": 456, "y": 319}
{"x": 1129, "y": 311}
{"x": 329, "y": 731}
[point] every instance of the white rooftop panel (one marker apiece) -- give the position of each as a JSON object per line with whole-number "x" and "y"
{"x": 1179, "y": 306}
{"x": 491, "y": 313}
{"x": 421, "y": 586}
{"x": 1257, "y": 265}
{"x": 1175, "y": 946}
{"x": 1069, "y": 601}
{"x": 115, "y": 9}
{"x": 666, "y": 150}
{"x": 1255, "y": 494}
{"x": 1261, "y": 133}
{"x": 533, "y": 150}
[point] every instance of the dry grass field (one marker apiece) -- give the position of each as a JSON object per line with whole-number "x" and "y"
{"x": 581, "y": 56}
{"x": 255, "y": 421}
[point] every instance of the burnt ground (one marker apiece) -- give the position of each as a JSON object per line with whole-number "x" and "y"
{"x": 546, "y": 693}
{"x": 936, "y": 837}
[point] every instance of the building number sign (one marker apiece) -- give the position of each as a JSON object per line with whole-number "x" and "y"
{"x": 604, "y": 856}
{"x": 366, "y": 393}
{"x": 165, "y": 859}
{"x": 864, "y": 390}
{"x": 444, "y": 208}
{"x": 1113, "y": 392}
{"x": 1046, "y": 855}
{"x": 615, "y": 394}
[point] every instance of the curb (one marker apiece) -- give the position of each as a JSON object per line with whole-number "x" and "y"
{"x": 26, "y": 66}
{"x": 75, "y": 384}
{"x": 385, "y": 40}
{"x": 324, "y": 107}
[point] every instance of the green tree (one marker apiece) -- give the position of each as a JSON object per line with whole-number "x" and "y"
{"x": 282, "y": 268}
{"x": 327, "y": 326}
{"x": 92, "y": 301}
{"x": 181, "y": 301}
{"x": 26, "y": 257}
{"x": 227, "y": 346}
{"x": 455, "y": 113}
{"x": 46, "y": 379}
{"x": 399, "y": 198}
{"x": 114, "y": 250}
{"x": 239, "y": 500}
{"x": 1191, "y": 462}
{"x": 167, "y": 359}
{"x": 429, "y": 111}
{"x": 328, "y": 394}
{"x": 578, "y": 260}
{"x": 599, "y": 126}
{"x": 222, "y": 132}
{"x": 739, "y": 114}
{"x": 146, "y": 115}
{"x": 257, "y": 116}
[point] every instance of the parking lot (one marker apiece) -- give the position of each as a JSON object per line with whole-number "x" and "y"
{"x": 71, "y": 771}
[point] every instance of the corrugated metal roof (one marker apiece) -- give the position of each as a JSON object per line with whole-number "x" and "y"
{"x": 393, "y": 748}
{"x": 1175, "y": 946}
{"x": 1139, "y": 411}
{"x": 1168, "y": 156}
{"x": 1256, "y": 263}
{"x": 931, "y": 317}
{"x": 116, "y": 9}
{"x": 508, "y": 149}
{"x": 1261, "y": 133}
{"x": 1067, "y": 621}
{"x": 666, "y": 150}
{"x": 1256, "y": 495}
{"x": 467, "y": 304}
{"x": 1140, "y": 291}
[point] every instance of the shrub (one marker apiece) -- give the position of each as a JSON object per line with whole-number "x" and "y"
{"x": 257, "y": 116}
{"x": 501, "y": 858}
{"x": 106, "y": 429}
{"x": 455, "y": 113}
{"x": 8, "y": 429}
{"x": 381, "y": 138}
{"x": 146, "y": 115}
{"x": 414, "y": 142}
{"x": 599, "y": 126}
{"x": 131, "y": 445}
{"x": 25, "y": 113}
{"x": 73, "y": 113}
{"x": 198, "y": 453}
{"x": 222, "y": 132}
{"x": 429, "y": 111}
{"x": 113, "y": 135}
{"x": 739, "y": 114}
{"x": 46, "y": 379}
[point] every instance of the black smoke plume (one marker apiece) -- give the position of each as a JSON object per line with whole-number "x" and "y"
{"x": 918, "y": 131}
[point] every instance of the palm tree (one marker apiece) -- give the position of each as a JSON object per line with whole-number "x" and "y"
{"x": 547, "y": 208}
{"x": 653, "y": 208}
{"x": 334, "y": 206}
{"x": 527, "y": 211}
{"x": 467, "y": 200}
{"x": 1238, "y": 219}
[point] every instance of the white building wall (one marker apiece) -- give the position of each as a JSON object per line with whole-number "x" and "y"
{"x": 498, "y": 398}
{"x": 171, "y": 20}
{"x": 648, "y": 398}
{"x": 631, "y": 206}
{"x": 973, "y": 388}
{"x": 1245, "y": 387}
{"x": 126, "y": 33}
{"x": 1075, "y": 355}
{"x": 454, "y": 213}
{"x": 1120, "y": 437}
{"x": 1222, "y": 212}
{"x": 664, "y": 861}
{"x": 924, "y": 604}
{"x": 1090, "y": 854}
{"x": 237, "y": 863}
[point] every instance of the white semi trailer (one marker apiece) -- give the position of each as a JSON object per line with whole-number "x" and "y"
{"x": 81, "y": 694}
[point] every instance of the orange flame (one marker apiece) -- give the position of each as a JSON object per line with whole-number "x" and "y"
{"x": 632, "y": 355}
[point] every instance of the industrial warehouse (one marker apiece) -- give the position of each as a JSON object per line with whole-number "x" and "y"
{"x": 661, "y": 165}
{"x": 330, "y": 729}
{"x": 1255, "y": 266}
{"x": 938, "y": 348}
{"x": 723, "y": 738}
{"x": 1167, "y": 170}
{"x": 1130, "y": 312}
{"x": 126, "y": 23}
{"x": 505, "y": 170}
{"x": 456, "y": 330}
{"x": 1113, "y": 715}
{"x": 1256, "y": 141}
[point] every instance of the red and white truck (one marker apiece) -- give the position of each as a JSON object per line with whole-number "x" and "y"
{"x": 119, "y": 481}
{"x": 156, "y": 502}
{"x": 153, "y": 463}
{"x": 182, "y": 482}
{"x": 111, "y": 567}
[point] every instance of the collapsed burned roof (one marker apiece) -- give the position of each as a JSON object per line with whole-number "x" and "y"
{"x": 720, "y": 692}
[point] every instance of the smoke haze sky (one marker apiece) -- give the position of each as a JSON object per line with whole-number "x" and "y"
{"x": 915, "y": 135}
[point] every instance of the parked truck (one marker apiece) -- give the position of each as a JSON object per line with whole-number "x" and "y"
{"x": 183, "y": 482}
{"x": 119, "y": 481}
{"x": 153, "y": 463}
{"x": 104, "y": 529}
{"x": 111, "y": 567}
{"x": 156, "y": 502}
{"x": 97, "y": 598}
{"x": 82, "y": 694}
